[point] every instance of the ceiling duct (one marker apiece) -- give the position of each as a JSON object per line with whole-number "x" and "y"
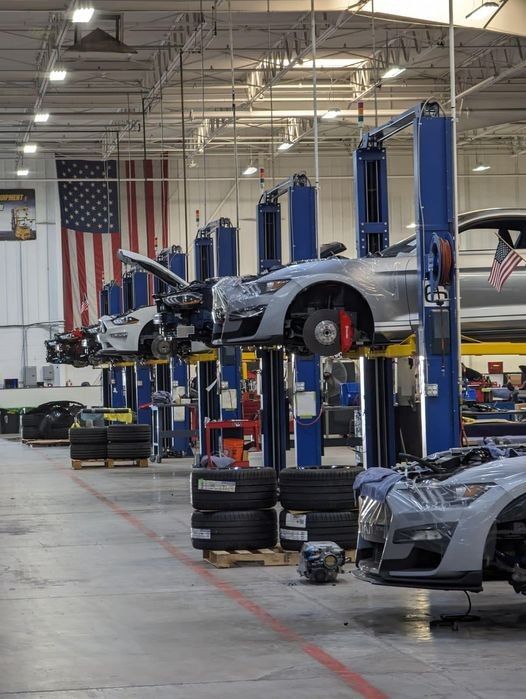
{"x": 99, "y": 44}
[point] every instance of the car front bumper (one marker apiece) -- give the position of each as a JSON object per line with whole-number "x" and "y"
{"x": 402, "y": 547}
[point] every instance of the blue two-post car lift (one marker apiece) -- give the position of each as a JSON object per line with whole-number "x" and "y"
{"x": 303, "y": 246}
{"x": 113, "y": 380}
{"x": 436, "y": 325}
{"x": 219, "y": 383}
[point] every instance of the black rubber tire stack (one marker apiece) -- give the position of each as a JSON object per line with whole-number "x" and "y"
{"x": 30, "y": 426}
{"x": 233, "y": 508}
{"x": 319, "y": 505}
{"x": 129, "y": 441}
{"x": 88, "y": 443}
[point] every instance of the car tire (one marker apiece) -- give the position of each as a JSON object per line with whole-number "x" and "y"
{"x": 85, "y": 452}
{"x": 30, "y": 432}
{"x": 321, "y": 332}
{"x": 133, "y": 450}
{"x": 296, "y": 529}
{"x": 129, "y": 433}
{"x": 233, "y": 489}
{"x": 88, "y": 435}
{"x": 161, "y": 347}
{"x": 31, "y": 420}
{"x": 320, "y": 489}
{"x": 227, "y": 531}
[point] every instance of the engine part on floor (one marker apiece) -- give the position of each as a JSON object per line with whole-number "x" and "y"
{"x": 323, "y": 489}
{"x": 295, "y": 529}
{"x": 233, "y": 488}
{"x": 321, "y": 561}
{"x": 228, "y": 531}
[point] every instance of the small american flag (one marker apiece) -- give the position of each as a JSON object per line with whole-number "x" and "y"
{"x": 506, "y": 259}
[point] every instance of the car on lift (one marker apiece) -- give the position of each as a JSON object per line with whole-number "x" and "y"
{"x": 78, "y": 347}
{"x": 299, "y": 305}
{"x": 179, "y": 323}
{"x": 451, "y": 521}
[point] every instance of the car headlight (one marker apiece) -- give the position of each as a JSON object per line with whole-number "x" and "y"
{"x": 269, "y": 287}
{"x": 186, "y": 299}
{"x": 125, "y": 320}
{"x": 434, "y": 496}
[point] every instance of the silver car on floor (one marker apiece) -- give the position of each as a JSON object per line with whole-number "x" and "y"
{"x": 298, "y": 305}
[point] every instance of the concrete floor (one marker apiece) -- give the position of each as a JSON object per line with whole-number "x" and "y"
{"x": 101, "y": 595}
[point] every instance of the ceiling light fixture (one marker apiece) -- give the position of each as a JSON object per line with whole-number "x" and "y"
{"x": 411, "y": 225}
{"x": 484, "y": 11}
{"x": 57, "y": 75}
{"x": 21, "y": 172}
{"x": 393, "y": 72}
{"x": 82, "y": 14}
{"x": 481, "y": 168}
{"x": 321, "y": 62}
{"x": 286, "y": 145}
{"x": 332, "y": 113}
{"x": 250, "y": 170}
{"x": 41, "y": 117}
{"x": 30, "y": 148}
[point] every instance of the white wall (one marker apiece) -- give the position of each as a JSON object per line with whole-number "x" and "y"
{"x": 31, "y": 276}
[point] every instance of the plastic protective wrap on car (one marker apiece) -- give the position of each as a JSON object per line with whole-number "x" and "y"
{"x": 232, "y": 293}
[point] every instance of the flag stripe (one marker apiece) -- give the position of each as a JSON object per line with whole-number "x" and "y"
{"x": 165, "y": 201}
{"x": 149, "y": 207}
{"x": 81, "y": 271}
{"x": 66, "y": 280}
{"x": 132, "y": 207}
{"x": 98, "y": 254}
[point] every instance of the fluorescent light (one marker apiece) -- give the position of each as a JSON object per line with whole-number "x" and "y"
{"x": 41, "y": 117}
{"x": 30, "y": 148}
{"x": 393, "y": 72}
{"x": 411, "y": 225}
{"x": 58, "y": 75}
{"x": 322, "y": 62}
{"x": 83, "y": 14}
{"x": 481, "y": 168}
{"x": 22, "y": 172}
{"x": 250, "y": 170}
{"x": 331, "y": 113}
{"x": 483, "y": 11}
{"x": 286, "y": 145}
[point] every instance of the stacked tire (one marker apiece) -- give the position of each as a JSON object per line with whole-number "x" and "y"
{"x": 88, "y": 443}
{"x": 318, "y": 505}
{"x": 129, "y": 441}
{"x": 233, "y": 509}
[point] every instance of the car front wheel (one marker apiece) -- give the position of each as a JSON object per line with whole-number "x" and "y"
{"x": 321, "y": 332}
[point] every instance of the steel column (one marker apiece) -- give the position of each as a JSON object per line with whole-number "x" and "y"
{"x": 136, "y": 293}
{"x": 372, "y": 236}
{"x": 302, "y": 231}
{"x": 113, "y": 388}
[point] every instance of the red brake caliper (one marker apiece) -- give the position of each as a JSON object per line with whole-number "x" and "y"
{"x": 346, "y": 331}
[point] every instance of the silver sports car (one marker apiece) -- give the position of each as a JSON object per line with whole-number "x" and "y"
{"x": 298, "y": 305}
{"x": 450, "y": 521}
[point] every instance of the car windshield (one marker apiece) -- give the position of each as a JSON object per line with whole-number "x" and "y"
{"x": 406, "y": 246}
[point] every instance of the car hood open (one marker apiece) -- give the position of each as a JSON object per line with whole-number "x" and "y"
{"x": 152, "y": 267}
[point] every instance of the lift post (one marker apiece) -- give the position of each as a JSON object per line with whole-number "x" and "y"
{"x": 173, "y": 374}
{"x": 136, "y": 293}
{"x": 208, "y": 396}
{"x": 113, "y": 383}
{"x": 437, "y": 333}
{"x": 372, "y": 236}
{"x": 303, "y": 242}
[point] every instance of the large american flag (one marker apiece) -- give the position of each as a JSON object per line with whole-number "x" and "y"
{"x": 98, "y": 217}
{"x": 505, "y": 261}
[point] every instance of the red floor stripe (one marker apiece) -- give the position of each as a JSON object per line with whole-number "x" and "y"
{"x": 358, "y": 683}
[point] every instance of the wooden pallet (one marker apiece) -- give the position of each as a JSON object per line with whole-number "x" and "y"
{"x": 258, "y": 557}
{"x": 46, "y": 442}
{"x": 77, "y": 464}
